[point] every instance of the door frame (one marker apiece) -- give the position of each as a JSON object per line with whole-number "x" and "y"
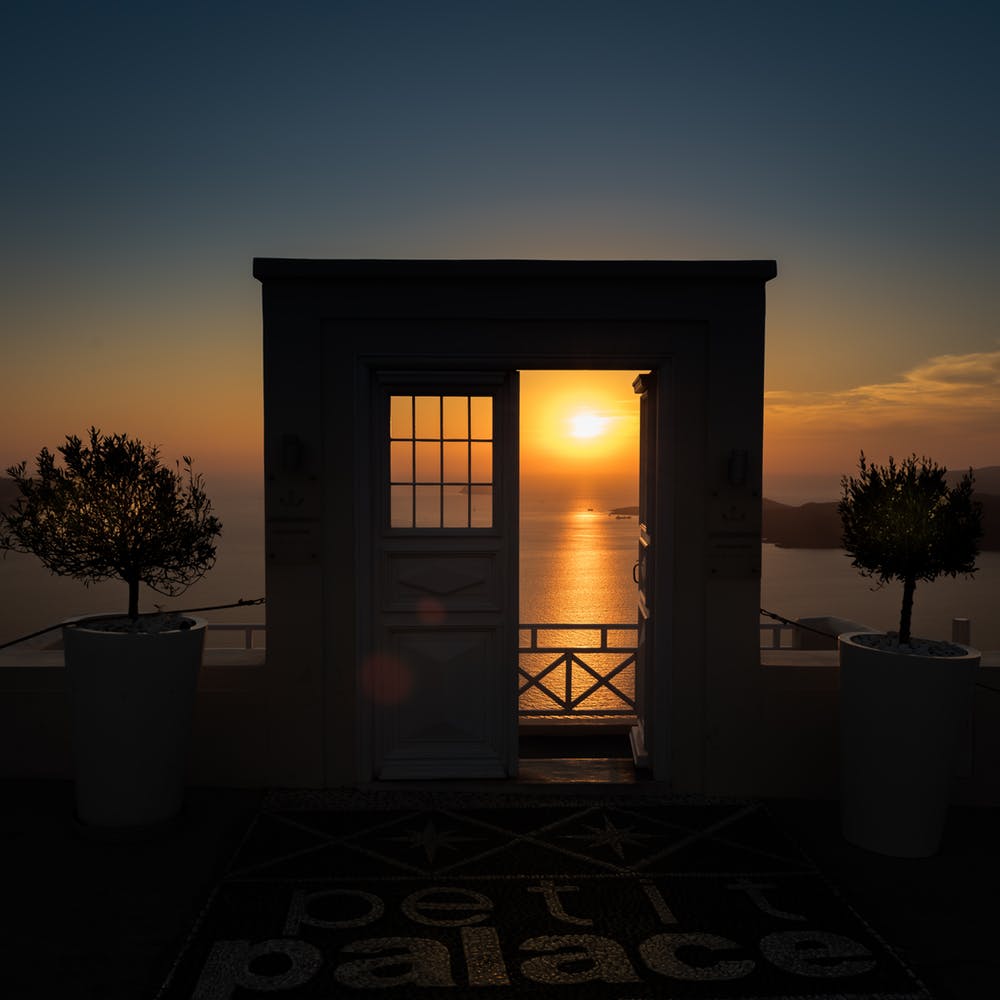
{"x": 661, "y": 472}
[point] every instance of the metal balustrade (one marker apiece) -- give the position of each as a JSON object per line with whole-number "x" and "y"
{"x": 599, "y": 679}
{"x": 558, "y": 675}
{"x": 780, "y": 636}
{"x": 248, "y": 629}
{"x": 772, "y": 636}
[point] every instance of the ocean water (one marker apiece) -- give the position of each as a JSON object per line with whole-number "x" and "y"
{"x": 31, "y": 598}
{"x": 575, "y": 567}
{"x": 800, "y": 583}
{"x": 576, "y": 560}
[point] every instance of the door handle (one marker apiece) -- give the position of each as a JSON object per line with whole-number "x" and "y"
{"x": 635, "y": 572}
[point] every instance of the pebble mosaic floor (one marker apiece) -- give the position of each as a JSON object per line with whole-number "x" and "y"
{"x": 409, "y": 896}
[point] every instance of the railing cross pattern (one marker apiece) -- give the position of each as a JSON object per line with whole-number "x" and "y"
{"x": 569, "y": 658}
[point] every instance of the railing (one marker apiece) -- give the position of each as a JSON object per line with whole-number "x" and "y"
{"x": 602, "y": 684}
{"x": 780, "y": 636}
{"x": 772, "y": 636}
{"x": 550, "y": 656}
{"x": 581, "y": 670}
{"x": 248, "y": 629}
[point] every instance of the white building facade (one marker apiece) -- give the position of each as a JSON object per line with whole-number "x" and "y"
{"x": 392, "y": 632}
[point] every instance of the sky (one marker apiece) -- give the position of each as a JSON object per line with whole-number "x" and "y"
{"x": 151, "y": 151}
{"x": 579, "y": 433}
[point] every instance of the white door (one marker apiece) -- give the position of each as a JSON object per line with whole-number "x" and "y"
{"x": 442, "y": 680}
{"x": 642, "y": 734}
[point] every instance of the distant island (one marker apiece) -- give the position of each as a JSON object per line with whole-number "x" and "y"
{"x": 808, "y": 526}
{"x": 817, "y": 525}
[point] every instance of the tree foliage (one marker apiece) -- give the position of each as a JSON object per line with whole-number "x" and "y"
{"x": 112, "y": 510}
{"x": 905, "y": 523}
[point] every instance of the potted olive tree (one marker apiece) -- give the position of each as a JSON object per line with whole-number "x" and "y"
{"x": 904, "y": 700}
{"x": 112, "y": 510}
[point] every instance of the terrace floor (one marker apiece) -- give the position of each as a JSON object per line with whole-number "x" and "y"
{"x": 103, "y": 921}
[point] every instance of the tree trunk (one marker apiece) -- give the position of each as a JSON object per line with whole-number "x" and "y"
{"x": 909, "y": 586}
{"x": 133, "y": 599}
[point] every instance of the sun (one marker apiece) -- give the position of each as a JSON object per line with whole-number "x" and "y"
{"x": 580, "y": 422}
{"x": 588, "y": 424}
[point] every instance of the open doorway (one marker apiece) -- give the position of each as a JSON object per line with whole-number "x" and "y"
{"x": 579, "y": 502}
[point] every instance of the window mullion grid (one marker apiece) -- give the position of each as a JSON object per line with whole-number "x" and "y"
{"x": 440, "y": 461}
{"x": 413, "y": 461}
{"x": 470, "y": 481}
{"x": 468, "y": 462}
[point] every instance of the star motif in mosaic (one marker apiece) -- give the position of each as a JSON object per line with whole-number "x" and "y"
{"x": 432, "y": 840}
{"x": 611, "y": 836}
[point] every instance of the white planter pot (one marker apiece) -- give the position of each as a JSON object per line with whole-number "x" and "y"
{"x": 132, "y": 702}
{"x": 901, "y": 720}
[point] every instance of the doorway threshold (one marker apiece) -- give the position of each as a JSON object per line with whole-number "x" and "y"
{"x": 578, "y": 771}
{"x": 592, "y": 751}
{"x": 557, "y": 756}
{"x": 540, "y": 787}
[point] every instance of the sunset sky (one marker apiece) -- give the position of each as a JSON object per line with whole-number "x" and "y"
{"x": 151, "y": 151}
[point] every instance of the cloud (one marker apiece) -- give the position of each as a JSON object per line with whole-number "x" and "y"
{"x": 959, "y": 369}
{"x": 948, "y": 406}
{"x": 948, "y": 387}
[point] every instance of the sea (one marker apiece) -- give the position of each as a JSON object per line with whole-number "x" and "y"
{"x": 576, "y": 564}
{"x": 577, "y": 560}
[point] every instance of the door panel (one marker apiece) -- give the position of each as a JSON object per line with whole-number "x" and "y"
{"x": 467, "y": 580}
{"x": 641, "y": 735}
{"x": 444, "y": 700}
{"x": 445, "y": 724}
